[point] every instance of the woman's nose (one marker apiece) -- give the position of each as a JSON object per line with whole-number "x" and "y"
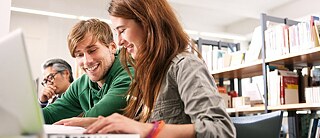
{"x": 120, "y": 41}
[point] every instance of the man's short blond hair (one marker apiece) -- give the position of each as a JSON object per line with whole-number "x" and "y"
{"x": 99, "y": 30}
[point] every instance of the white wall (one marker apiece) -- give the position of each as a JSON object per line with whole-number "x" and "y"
{"x": 45, "y": 38}
{"x": 4, "y": 17}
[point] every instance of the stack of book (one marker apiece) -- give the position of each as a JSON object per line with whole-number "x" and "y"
{"x": 282, "y": 87}
{"x": 312, "y": 94}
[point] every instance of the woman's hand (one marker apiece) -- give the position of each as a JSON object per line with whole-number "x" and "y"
{"x": 77, "y": 121}
{"x": 117, "y": 123}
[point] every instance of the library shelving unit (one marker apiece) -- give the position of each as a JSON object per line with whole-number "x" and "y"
{"x": 232, "y": 46}
{"x": 303, "y": 58}
{"x": 219, "y": 44}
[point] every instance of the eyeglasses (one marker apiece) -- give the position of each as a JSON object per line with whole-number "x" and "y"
{"x": 49, "y": 79}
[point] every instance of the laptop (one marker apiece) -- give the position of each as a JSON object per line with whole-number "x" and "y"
{"x": 20, "y": 112}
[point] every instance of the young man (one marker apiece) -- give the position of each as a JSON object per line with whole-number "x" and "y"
{"x": 57, "y": 76}
{"x": 102, "y": 89}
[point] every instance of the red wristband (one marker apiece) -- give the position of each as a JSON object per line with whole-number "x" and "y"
{"x": 157, "y": 126}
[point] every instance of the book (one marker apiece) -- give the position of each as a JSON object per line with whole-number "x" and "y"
{"x": 283, "y": 87}
{"x": 313, "y": 128}
{"x": 226, "y": 60}
{"x": 313, "y": 29}
{"x": 317, "y": 30}
{"x": 255, "y": 46}
{"x": 289, "y": 92}
{"x": 241, "y": 102}
{"x": 273, "y": 88}
{"x": 312, "y": 94}
{"x": 304, "y": 124}
{"x": 277, "y": 40}
{"x": 252, "y": 90}
{"x": 236, "y": 58}
{"x": 317, "y": 135}
{"x": 214, "y": 58}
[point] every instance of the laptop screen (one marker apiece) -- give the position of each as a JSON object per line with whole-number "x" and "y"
{"x": 19, "y": 109}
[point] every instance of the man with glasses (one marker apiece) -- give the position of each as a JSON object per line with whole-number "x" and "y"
{"x": 57, "y": 76}
{"x": 102, "y": 89}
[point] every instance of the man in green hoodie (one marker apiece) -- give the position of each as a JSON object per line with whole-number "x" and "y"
{"x": 101, "y": 90}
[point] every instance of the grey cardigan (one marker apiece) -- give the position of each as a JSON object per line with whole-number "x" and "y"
{"x": 188, "y": 94}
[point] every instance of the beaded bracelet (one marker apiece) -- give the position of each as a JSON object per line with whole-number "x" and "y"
{"x": 157, "y": 126}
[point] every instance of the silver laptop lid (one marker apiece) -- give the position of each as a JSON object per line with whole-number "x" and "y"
{"x": 20, "y": 112}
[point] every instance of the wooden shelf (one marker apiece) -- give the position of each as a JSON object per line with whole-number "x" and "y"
{"x": 246, "y": 70}
{"x": 300, "y": 106}
{"x": 302, "y": 59}
{"x": 287, "y": 107}
{"x": 246, "y": 110}
{"x": 240, "y": 71}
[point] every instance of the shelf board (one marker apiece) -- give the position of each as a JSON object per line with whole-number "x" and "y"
{"x": 301, "y": 59}
{"x": 247, "y": 109}
{"x": 287, "y": 107}
{"x": 307, "y": 57}
{"x": 245, "y": 70}
{"x": 300, "y": 106}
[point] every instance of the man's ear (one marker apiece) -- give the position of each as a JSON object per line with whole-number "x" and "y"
{"x": 66, "y": 72}
{"x": 113, "y": 47}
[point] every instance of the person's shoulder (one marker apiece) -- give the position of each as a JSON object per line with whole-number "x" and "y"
{"x": 118, "y": 70}
{"x": 185, "y": 57}
{"x": 80, "y": 85}
{"x": 116, "y": 64}
{"x": 82, "y": 80}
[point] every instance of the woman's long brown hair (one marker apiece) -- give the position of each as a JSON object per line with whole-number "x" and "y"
{"x": 164, "y": 39}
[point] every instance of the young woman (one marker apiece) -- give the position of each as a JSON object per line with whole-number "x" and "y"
{"x": 172, "y": 94}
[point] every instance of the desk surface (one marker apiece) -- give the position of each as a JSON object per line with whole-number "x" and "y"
{"x": 20, "y": 136}
{"x": 95, "y": 136}
{"x": 61, "y": 131}
{"x": 77, "y": 136}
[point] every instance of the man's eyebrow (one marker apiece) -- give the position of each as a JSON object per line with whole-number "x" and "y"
{"x": 91, "y": 45}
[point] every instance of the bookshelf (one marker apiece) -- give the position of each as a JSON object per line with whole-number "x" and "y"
{"x": 308, "y": 57}
{"x": 297, "y": 60}
{"x": 245, "y": 70}
{"x": 219, "y": 44}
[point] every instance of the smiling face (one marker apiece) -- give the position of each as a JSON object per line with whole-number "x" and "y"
{"x": 129, "y": 34}
{"x": 95, "y": 59}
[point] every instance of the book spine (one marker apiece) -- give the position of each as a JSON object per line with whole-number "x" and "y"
{"x": 290, "y": 89}
{"x": 282, "y": 90}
